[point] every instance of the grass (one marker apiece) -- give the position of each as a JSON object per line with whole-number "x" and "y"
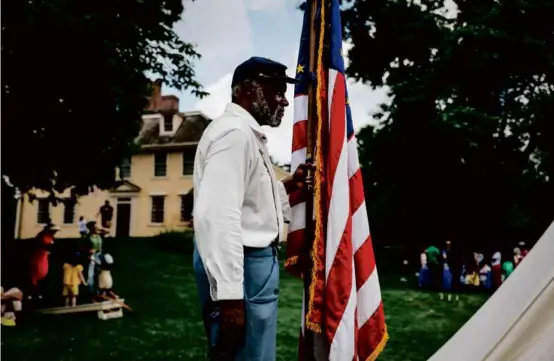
{"x": 159, "y": 285}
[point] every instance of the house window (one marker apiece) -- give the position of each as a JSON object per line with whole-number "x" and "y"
{"x": 158, "y": 203}
{"x": 188, "y": 163}
{"x": 160, "y": 164}
{"x": 69, "y": 212}
{"x": 125, "y": 169}
{"x": 168, "y": 123}
{"x": 43, "y": 215}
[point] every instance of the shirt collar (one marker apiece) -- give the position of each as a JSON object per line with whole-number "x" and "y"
{"x": 242, "y": 113}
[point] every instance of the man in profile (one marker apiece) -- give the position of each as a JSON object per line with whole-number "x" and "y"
{"x": 239, "y": 212}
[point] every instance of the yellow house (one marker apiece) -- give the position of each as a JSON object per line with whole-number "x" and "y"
{"x": 147, "y": 199}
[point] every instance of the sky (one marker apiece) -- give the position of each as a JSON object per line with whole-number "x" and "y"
{"x": 229, "y": 32}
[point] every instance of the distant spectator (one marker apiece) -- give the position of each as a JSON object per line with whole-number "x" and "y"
{"x": 83, "y": 230}
{"x": 496, "y": 270}
{"x": 517, "y": 256}
{"x": 524, "y": 249}
{"x": 423, "y": 276}
{"x": 485, "y": 275}
{"x": 435, "y": 269}
{"x": 446, "y": 281}
{"x": 72, "y": 279}
{"x": 472, "y": 268}
{"x": 507, "y": 269}
{"x": 479, "y": 257}
{"x": 106, "y": 215}
{"x": 94, "y": 238}
{"x": 451, "y": 269}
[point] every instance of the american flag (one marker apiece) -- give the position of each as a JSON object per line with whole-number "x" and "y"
{"x": 344, "y": 301}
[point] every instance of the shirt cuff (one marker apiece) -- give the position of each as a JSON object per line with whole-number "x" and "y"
{"x": 228, "y": 291}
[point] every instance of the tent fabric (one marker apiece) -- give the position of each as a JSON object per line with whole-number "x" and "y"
{"x": 517, "y": 322}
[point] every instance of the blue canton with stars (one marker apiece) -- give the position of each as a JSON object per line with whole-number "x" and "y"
{"x": 336, "y": 60}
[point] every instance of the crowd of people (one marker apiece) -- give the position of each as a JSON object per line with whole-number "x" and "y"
{"x": 89, "y": 265}
{"x": 452, "y": 272}
{"x": 85, "y": 264}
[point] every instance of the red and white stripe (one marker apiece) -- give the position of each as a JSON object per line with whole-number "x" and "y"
{"x": 354, "y": 317}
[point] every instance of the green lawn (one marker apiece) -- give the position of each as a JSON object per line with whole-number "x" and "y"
{"x": 159, "y": 285}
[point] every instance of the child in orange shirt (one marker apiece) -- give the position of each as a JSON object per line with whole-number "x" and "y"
{"x": 72, "y": 279}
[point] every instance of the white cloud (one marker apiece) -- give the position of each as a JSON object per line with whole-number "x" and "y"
{"x": 221, "y": 30}
{"x": 220, "y": 94}
{"x": 266, "y": 5}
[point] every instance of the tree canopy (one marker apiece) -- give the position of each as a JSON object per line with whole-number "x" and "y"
{"x": 465, "y": 148}
{"x": 74, "y": 85}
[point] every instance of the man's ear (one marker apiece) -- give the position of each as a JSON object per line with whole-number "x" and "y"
{"x": 248, "y": 87}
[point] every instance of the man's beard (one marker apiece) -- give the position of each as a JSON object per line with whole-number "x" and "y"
{"x": 262, "y": 111}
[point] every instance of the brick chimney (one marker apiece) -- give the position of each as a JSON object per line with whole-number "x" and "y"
{"x": 169, "y": 103}
{"x": 159, "y": 102}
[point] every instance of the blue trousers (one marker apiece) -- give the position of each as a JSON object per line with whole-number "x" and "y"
{"x": 261, "y": 291}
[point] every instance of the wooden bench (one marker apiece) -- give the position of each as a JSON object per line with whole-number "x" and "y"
{"x": 106, "y": 310}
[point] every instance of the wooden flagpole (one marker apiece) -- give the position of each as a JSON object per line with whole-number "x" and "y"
{"x": 310, "y": 129}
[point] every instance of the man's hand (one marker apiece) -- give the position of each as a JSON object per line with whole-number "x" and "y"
{"x": 232, "y": 329}
{"x": 297, "y": 181}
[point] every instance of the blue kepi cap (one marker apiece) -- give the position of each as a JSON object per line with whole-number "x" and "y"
{"x": 257, "y": 68}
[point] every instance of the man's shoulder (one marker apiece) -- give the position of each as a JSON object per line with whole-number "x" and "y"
{"x": 226, "y": 123}
{"x": 223, "y": 126}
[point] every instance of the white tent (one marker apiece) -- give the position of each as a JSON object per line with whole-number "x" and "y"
{"x": 517, "y": 322}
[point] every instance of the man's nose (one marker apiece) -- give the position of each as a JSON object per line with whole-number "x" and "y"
{"x": 284, "y": 102}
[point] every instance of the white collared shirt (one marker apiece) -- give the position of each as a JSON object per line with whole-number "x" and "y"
{"x": 237, "y": 200}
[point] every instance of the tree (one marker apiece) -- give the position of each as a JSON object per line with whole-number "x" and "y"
{"x": 74, "y": 85}
{"x": 465, "y": 149}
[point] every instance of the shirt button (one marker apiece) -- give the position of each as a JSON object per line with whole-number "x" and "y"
{"x": 276, "y": 291}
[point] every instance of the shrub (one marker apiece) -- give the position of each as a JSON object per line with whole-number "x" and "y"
{"x": 175, "y": 241}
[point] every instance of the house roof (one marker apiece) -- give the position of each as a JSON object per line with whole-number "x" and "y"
{"x": 188, "y": 133}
